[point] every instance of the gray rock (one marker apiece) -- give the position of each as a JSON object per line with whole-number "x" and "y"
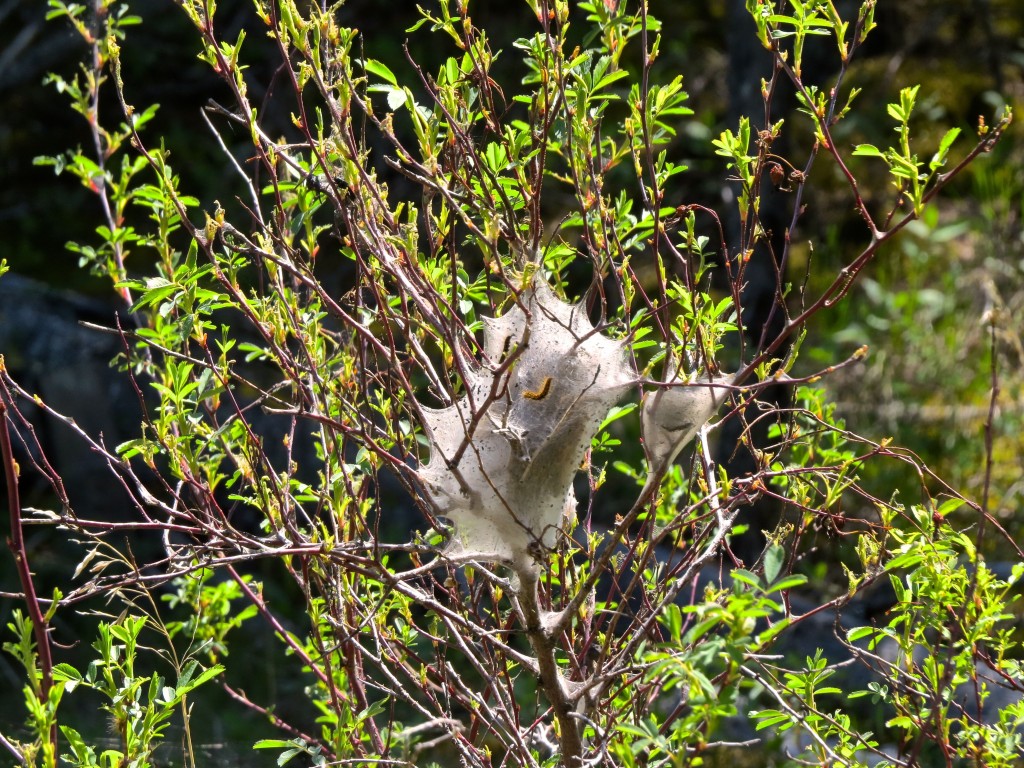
{"x": 52, "y": 355}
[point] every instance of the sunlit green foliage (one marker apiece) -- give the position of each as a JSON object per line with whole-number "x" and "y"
{"x": 290, "y": 349}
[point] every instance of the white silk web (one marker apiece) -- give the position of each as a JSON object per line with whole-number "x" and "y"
{"x": 671, "y": 416}
{"x": 503, "y": 457}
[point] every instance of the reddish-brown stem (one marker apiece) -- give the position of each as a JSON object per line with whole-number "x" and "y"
{"x": 272, "y": 718}
{"x": 16, "y": 543}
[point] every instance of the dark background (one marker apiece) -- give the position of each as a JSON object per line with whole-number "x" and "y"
{"x": 968, "y": 56}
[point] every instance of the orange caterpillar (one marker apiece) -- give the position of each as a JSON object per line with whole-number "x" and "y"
{"x": 541, "y": 393}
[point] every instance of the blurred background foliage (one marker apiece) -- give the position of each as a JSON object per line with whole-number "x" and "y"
{"x": 942, "y": 311}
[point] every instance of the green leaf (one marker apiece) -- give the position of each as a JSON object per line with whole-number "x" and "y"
{"x": 857, "y": 633}
{"x": 746, "y": 577}
{"x": 949, "y": 505}
{"x": 948, "y": 139}
{"x": 375, "y": 67}
{"x": 396, "y": 98}
{"x": 774, "y": 557}
{"x": 939, "y": 159}
{"x": 901, "y": 722}
{"x": 699, "y": 630}
{"x": 773, "y": 630}
{"x": 272, "y": 744}
{"x": 769, "y": 717}
{"x": 610, "y": 78}
{"x": 793, "y": 580}
{"x": 65, "y": 673}
{"x": 188, "y": 683}
{"x": 617, "y": 413}
{"x": 906, "y": 560}
{"x": 868, "y": 150}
